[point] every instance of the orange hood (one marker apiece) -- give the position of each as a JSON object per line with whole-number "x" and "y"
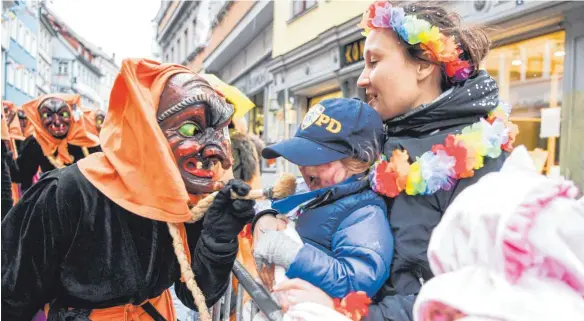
{"x": 14, "y": 127}
{"x": 137, "y": 169}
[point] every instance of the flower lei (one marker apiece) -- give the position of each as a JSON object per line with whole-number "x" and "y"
{"x": 354, "y": 305}
{"x": 439, "y": 168}
{"x": 441, "y": 48}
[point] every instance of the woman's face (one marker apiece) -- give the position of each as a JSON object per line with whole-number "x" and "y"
{"x": 325, "y": 175}
{"x": 390, "y": 78}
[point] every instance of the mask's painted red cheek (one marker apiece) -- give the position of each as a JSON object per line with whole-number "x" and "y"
{"x": 186, "y": 148}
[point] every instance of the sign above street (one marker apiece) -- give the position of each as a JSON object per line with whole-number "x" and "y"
{"x": 352, "y": 52}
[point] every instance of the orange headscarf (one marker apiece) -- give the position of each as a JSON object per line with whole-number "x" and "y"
{"x": 14, "y": 127}
{"x": 77, "y": 135}
{"x": 5, "y": 133}
{"x": 89, "y": 117}
{"x": 137, "y": 169}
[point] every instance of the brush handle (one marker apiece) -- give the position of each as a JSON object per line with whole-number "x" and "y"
{"x": 254, "y": 194}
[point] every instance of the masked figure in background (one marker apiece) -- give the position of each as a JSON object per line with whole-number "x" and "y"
{"x": 94, "y": 119}
{"x": 6, "y": 191}
{"x": 104, "y": 239}
{"x": 12, "y": 143}
{"x": 57, "y": 141}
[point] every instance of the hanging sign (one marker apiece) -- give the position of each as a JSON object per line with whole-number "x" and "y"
{"x": 352, "y": 52}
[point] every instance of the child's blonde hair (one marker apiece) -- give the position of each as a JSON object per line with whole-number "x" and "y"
{"x": 355, "y": 165}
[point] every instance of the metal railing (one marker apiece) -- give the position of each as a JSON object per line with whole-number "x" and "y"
{"x": 260, "y": 299}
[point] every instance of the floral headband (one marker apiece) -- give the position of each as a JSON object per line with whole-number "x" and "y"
{"x": 443, "y": 49}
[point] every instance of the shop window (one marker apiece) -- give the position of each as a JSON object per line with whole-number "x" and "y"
{"x": 301, "y": 6}
{"x": 530, "y": 74}
{"x": 315, "y": 100}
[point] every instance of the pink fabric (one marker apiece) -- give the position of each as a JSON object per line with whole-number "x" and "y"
{"x": 508, "y": 248}
{"x": 40, "y": 316}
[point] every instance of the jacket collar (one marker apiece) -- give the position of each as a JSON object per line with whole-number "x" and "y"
{"x": 313, "y": 199}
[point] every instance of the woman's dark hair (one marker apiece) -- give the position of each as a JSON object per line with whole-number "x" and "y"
{"x": 473, "y": 40}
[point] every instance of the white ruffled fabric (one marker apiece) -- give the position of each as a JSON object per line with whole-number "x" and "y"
{"x": 510, "y": 247}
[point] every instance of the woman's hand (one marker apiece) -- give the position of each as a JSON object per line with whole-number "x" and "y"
{"x": 291, "y": 292}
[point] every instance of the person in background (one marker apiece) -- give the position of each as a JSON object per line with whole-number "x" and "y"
{"x": 6, "y": 190}
{"x": 59, "y": 140}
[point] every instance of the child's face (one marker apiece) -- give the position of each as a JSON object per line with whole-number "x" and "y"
{"x": 325, "y": 175}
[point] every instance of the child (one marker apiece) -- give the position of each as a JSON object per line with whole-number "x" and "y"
{"x": 348, "y": 245}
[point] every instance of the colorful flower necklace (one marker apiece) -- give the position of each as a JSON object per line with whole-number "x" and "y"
{"x": 439, "y": 168}
{"x": 441, "y": 48}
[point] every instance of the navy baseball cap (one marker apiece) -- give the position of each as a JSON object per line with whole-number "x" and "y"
{"x": 332, "y": 130}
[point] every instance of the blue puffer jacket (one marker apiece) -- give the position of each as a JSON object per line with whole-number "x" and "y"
{"x": 348, "y": 241}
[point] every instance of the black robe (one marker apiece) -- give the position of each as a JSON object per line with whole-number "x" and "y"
{"x": 6, "y": 188}
{"x": 67, "y": 244}
{"x": 31, "y": 157}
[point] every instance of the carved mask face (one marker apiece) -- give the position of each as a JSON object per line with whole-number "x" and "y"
{"x": 22, "y": 119}
{"x": 9, "y": 113}
{"x": 99, "y": 118}
{"x": 56, "y": 117}
{"x": 194, "y": 119}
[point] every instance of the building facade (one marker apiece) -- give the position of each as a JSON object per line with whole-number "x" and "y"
{"x": 109, "y": 69}
{"x": 20, "y": 26}
{"x": 316, "y": 55}
{"x": 76, "y": 65}
{"x": 44, "y": 55}
{"x": 536, "y": 59}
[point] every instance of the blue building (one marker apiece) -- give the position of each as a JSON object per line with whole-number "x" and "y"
{"x": 19, "y": 50}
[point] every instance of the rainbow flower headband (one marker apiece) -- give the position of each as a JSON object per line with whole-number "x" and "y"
{"x": 441, "y": 48}
{"x": 439, "y": 168}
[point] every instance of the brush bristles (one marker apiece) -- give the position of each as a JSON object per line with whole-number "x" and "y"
{"x": 285, "y": 186}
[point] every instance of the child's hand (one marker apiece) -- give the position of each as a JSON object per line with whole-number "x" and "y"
{"x": 275, "y": 247}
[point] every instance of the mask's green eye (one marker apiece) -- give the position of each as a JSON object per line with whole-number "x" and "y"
{"x": 45, "y": 115}
{"x": 66, "y": 114}
{"x": 188, "y": 130}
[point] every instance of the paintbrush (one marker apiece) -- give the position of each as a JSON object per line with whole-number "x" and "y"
{"x": 284, "y": 187}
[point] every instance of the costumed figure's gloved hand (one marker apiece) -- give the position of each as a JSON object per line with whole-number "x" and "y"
{"x": 275, "y": 247}
{"x": 226, "y": 217}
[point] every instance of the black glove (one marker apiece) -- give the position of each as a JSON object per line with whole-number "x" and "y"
{"x": 226, "y": 217}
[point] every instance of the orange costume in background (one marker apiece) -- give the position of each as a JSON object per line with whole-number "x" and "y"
{"x": 77, "y": 135}
{"x": 14, "y": 132}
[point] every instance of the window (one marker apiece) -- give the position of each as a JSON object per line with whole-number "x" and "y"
{"x": 300, "y": 6}
{"x": 63, "y": 66}
{"x": 14, "y": 29}
{"x": 179, "y": 51}
{"x": 530, "y": 76}
{"x": 20, "y": 39}
{"x": 18, "y": 78}
{"x": 10, "y": 73}
{"x": 31, "y": 84}
{"x": 166, "y": 58}
{"x": 187, "y": 42}
{"x": 172, "y": 54}
{"x": 25, "y": 78}
{"x": 27, "y": 41}
{"x": 34, "y": 46}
